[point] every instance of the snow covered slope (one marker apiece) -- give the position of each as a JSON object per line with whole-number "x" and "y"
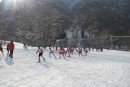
{"x": 106, "y": 69}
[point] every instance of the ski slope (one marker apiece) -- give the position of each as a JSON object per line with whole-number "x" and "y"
{"x": 98, "y": 69}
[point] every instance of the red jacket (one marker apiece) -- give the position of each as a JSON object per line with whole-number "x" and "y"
{"x": 1, "y": 49}
{"x": 11, "y": 46}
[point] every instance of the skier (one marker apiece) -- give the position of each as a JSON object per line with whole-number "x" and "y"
{"x": 75, "y": 50}
{"x": 80, "y": 52}
{"x": 11, "y": 49}
{"x": 1, "y": 49}
{"x": 7, "y": 48}
{"x": 65, "y": 52}
{"x": 61, "y": 52}
{"x": 72, "y": 50}
{"x": 51, "y": 52}
{"x": 40, "y": 51}
{"x": 101, "y": 49}
{"x": 69, "y": 51}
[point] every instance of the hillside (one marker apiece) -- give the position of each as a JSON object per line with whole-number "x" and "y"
{"x": 98, "y": 69}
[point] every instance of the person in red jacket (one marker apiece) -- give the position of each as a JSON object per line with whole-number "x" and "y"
{"x": 11, "y": 48}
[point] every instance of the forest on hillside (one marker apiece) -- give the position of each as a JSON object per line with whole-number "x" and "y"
{"x": 92, "y": 23}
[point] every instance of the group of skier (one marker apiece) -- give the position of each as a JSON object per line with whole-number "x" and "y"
{"x": 62, "y": 52}
{"x": 9, "y": 48}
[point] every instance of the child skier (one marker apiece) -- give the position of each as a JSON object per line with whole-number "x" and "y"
{"x": 40, "y": 51}
{"x": 68, "y": 51}
{"x": 62, "y": 52}
{"x": 80, "y": 52}
{"x": 51, "y": 52}
{"x": 72, "y": 51}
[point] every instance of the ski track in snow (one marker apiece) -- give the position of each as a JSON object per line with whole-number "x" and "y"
{"x": 98, "y": 69}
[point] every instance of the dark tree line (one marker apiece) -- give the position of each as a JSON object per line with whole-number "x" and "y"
{"x": 43, "y": 22}
{"x": 102, "y": 18}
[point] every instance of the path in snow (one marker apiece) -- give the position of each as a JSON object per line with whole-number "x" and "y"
{"x": 107, "y": 69}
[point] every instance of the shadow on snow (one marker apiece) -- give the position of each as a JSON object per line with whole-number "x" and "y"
{"x": 9, "y": 61}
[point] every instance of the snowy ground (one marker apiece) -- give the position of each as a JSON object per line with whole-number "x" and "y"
{"x": 107, "y": 69}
